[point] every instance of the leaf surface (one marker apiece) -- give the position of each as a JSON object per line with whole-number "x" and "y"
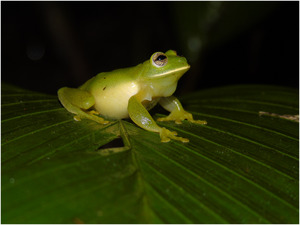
{"x": 242, "y": 167}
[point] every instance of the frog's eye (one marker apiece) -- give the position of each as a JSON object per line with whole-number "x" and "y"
{"x": 159, "y": 59}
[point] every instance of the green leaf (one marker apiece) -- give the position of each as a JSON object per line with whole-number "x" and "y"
{"x": 242, "y": 167}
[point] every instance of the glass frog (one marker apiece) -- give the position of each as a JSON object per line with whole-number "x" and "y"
{"x": 131, "y": 92}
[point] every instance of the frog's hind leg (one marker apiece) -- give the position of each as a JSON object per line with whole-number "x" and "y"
{"x": 78, "y": 102}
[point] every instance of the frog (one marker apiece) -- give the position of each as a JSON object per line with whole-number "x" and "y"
{"x": 131, "y": 92}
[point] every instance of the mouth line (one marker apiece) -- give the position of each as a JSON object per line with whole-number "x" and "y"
{"x": 173, "y": 71}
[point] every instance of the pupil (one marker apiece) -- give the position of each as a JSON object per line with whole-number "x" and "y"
{"x": 161, "y": 57}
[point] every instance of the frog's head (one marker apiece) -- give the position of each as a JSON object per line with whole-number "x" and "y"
{"x": 162, "y": 65}
{"x": 163, "y": 71}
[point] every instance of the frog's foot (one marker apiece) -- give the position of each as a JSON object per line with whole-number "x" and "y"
{"x": 93, "y": 112}
{"x": 179, "y": 116}
{"x": 166, "y": 135}
{"x": 92, "y": 116}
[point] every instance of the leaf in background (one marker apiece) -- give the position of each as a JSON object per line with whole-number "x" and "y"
{"x": 208, "y": 24}
{"x": 242, "y": 167}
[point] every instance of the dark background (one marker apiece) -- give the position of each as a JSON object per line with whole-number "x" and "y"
{"x": 47, "y": 45}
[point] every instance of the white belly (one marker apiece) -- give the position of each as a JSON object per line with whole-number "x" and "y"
{"x": 112, "y": 102}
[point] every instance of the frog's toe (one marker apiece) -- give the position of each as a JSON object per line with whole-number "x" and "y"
{"x": 165, "y": 139}
{"x": 94, "y": 112}
{"x": 202, "y": 122}
{"x": 102, "y": 121}
{"x": 178, "y": 122}
{"x": 162, "y": 119}
{"x": 89, "y": 116}
{"x": 77, "y": 118}
{"x": 166, "y": 135}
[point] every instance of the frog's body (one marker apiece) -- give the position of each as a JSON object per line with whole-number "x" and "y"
{"x": 130, "y": 92}
{"x": 114, "y": 96}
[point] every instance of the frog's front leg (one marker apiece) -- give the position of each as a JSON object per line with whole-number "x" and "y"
{"x": 78, "y": 102}
{"x": 173, "y": 105}
{"x": 140, "y": 116}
